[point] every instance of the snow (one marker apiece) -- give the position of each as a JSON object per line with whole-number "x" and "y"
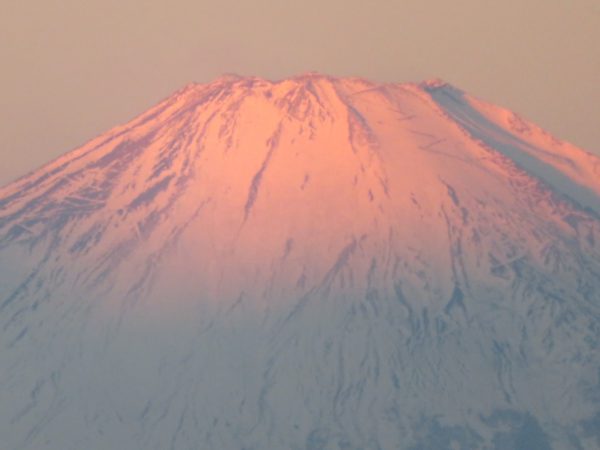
{"x": 316, "y": 263}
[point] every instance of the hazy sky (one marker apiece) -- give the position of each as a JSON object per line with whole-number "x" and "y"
{"x": 71, "y": 69}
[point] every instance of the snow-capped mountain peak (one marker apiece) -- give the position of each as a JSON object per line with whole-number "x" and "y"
{"x": 315, "y": 262}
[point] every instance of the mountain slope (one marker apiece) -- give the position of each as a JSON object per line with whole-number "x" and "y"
{"x": 314, "y": 263}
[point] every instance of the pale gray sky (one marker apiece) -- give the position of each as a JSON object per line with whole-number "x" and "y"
{"x": 71, "y": 69}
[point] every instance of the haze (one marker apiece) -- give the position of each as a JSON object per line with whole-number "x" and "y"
{"x": 71, "y": 69}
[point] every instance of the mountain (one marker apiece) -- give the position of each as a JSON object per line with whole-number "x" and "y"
{"x": 316, "y": 263}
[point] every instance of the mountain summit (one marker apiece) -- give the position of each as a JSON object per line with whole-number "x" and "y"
{"x": 314, "y": 263}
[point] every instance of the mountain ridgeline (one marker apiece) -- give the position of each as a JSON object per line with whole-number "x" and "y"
{"x": 316, "y": 263}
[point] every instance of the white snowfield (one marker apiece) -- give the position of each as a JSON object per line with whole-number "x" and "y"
{"x": 310, "y": 264}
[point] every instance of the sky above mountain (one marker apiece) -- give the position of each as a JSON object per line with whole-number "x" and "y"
{"x": 71, "y": 70}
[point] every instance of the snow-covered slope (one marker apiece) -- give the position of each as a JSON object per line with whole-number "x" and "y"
{"x": 315, "y": 263}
